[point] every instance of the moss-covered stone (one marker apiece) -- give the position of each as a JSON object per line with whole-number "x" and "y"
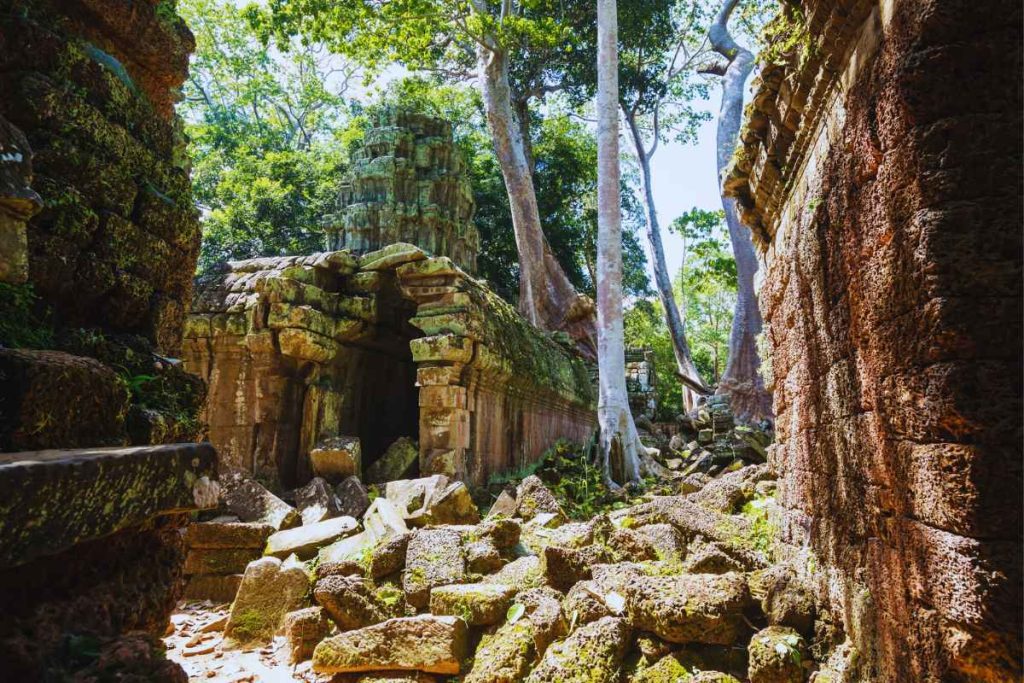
{"x": 424, "y": 643}
{"x": 269, "y": 590}
{"x": 479, "y": 604}
{"x": 592, "y": 654}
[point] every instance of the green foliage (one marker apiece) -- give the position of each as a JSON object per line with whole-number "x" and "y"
{"x": 261, "y": 126}
{"x": 24, "y": 322}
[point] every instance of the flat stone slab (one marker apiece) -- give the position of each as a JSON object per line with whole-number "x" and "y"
{"x": 304, "y": 541}
{"x": 425, "y": 643}
{"x": 53, "y": 500}
{"x": 227, "y": 535}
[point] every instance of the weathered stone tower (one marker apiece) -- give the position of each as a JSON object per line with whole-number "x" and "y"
{"x": 881, "y": 173}
{"x": 407, "y": 183}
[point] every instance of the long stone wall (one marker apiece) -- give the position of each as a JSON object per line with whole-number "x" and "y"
{"x": 300, "y": 350}
{"x": 881, "y": 174}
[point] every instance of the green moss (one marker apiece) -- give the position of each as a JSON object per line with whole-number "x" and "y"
{"x": 248, "y": 625}
{"x": 24, "y": 321}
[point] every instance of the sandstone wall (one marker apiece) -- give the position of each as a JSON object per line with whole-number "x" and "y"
{"x": 91, "y": 85}
{"x": 298, "y": 350}
{"x": 881, "y": 174}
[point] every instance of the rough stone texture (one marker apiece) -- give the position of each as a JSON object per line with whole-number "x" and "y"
{"x": 434, "y": 558}
{"x": 52, "y": 500}
{"x": 304, "y": 629}
{"x": 592, "y": 654}
{"x": 42, "y": 406}
{"x": 882, "y": 178}
{"x": 336, "y": 458}
{"x": 269, "y": 590}
{"x": 227, "y": 535}
{"x": 91, "y": 84}
{"x": 398, "y": 460}
{"x": 533, "y": 498}
{"x": 424, "y": 643}
{"x": 479, "y": 604}
{"x": 407, "y": 183}
{"x": 776, "y": 656}
{"x": 350, "y": 602}
{"x": 317, "y": 502}
{"x": 353, "y": 498}
{"x": 252, "y": 502}
{"x": 127, "y": 581}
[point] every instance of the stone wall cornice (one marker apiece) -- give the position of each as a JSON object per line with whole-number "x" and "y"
{"x": 789, "y": 99}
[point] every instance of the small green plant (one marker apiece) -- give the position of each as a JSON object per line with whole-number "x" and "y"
{"x": 23, "y": 321}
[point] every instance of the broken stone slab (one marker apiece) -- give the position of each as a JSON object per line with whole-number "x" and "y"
{"x": 227, "y": 535}
{"x": 336, "y": 458}
{"x": 306, "y": 540}
{"x": 592, "y": 654}
{"x": 388, "y": 557}
{"x": 352, "y": 497}
{"x": 533, "y": 498}
{"x": 397, "y": 462}
{"x": 316, "y": 501}
{"x": 252, "y": 502}
{"x": 503, "y": 533}
{"x": 482, "y": 556}
{"x": 433, "y": 644}
{"x": 216, "y": 588}
{"x": 350, "y": 602}
{"x": 219, "y": 560}
{"x": 666, "y": 540}
{"x": 453, "y": 505}
{"x": 685, "y": 608}
{"x": 304, "y": 629}
{"x": 383, "y": 519}
{"x": 521, "y": 574}
{"x": 269, "y": 590}
{"x": 479, "y": 604}
{"x": 776, "y": 655}
{"x": 563, "y": 567}
{"x": 349, "y": 549}
{"x": 412, "y": 496}
{"x": 433, "y": 558}
{"x": 503, "y": 506}
{"x": 54, "y": 500}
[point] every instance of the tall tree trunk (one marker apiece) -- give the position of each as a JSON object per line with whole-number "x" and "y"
{"x": 620, "y": 445}
{"x": 547, "y": 298}
{"x": 693, "y": 385}
{"x": 741, "y": 380}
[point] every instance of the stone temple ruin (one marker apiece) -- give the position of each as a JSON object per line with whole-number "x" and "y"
{"x": 388, "y": 337}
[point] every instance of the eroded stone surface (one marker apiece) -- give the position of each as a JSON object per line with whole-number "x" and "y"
{"x": 269, "y": 590}
{"x": 424, "y": 643}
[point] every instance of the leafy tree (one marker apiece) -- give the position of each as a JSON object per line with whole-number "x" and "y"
{"x": 265, "y": 161}
{"x": 706, "y": 284}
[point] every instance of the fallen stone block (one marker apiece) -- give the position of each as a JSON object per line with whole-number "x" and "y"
{"x": 563, "y": 567}
{"x": 219, "y": 560}
{"x": 688, "y": 608}
{"x": 433, "y": 558}
{"x": 776, "y": 655}
{"x": 227, "y": 535}
{"x": 503, "y": 506}
{"x": 667, "y": 542}
{"x": 522, "y": 573}
{"x": 305, "y": 541}
{"x": 503, "y": 533}
{"x": 411, "y": 497}
{"x": 592, "y": 654}
{"x": 336, "y": 458}
{"x": 426, "y": 643}
{"x": 479, "y": 604}
{"x": 349, "y": 601}
{"x": 349, "y": 549}
{"x": 533, "y": 498}
{"x": 383, "y": 519}
{"x": 482, "y": 556}
{"x": 388, "y": 557}
{"x": 269, "y": 590}
{"x": 316, "y": 501}
{"x": 304, "y": 629}
{"x": 252, "y": 502}
{"x": 352, "y": 498}
{"x": 397, "y": 462}
{"x": 585, "y": 603}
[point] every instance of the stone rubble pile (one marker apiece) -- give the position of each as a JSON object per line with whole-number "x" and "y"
{"x": 690, "y": 586}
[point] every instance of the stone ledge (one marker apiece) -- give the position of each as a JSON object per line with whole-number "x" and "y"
{"x": 53, "y": 500}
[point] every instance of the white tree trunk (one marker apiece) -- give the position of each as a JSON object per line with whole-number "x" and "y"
{"x": 620, "y": 444}
{"x": 547, "y": 298}
{"x": 741, "y": 380}
{"x": 693, "y": 384}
